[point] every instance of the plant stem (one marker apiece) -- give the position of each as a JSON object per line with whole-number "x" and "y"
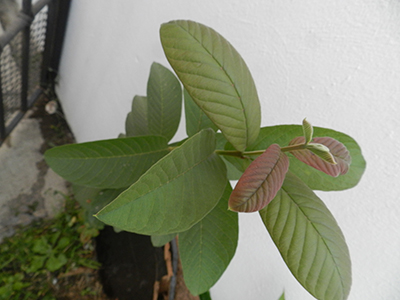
{"x": 257, "y": 152}
{"x": 233, "y": 153}
{"x": 294, "y": 147}
{"x": 247, "y": 153}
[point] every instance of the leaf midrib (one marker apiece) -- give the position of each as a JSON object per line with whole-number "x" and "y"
{"x": 227, "y": 75}
{"x": 174, "y": 178}
{"x": 319, "y": 235}
{"x": 113, "y": 157}
{"x": 163, "y": 183}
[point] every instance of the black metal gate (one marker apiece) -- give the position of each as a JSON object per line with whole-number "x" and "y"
{"x": 30, "y": 51}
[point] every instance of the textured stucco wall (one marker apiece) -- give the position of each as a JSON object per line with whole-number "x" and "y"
{"x": 335, "y": 62}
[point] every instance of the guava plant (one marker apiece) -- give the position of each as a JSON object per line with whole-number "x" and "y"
{"x": 183, "y": 189}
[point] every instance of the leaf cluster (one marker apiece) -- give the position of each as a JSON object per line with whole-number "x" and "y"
{"x": 41, "y": 252}
{"x": 164, "y": 189}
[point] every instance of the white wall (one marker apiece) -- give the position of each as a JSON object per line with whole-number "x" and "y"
{"x": 335, "y": 62}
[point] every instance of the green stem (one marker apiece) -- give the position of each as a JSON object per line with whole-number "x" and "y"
{"x": 294, "y": 147}
{"x": 257, "y": 152}
{"x": 250, "y": 153}
{"x": 231, "y": 153}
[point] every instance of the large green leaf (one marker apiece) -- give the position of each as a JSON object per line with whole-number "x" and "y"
{"x": 315, "y": 179}
{"x": 161, "y": 240}
{"x": 309, "y": 240}
{"x": 92, "y": 200}
{"x": 207, "y": 248}
{"x": 115, "y": 163}
{"x": 175, "y": 193}
{"x": 136, "y": 120}
{"x": 216, "y": 77}
{"x": 196, "y": 119}
{"x": 85, "y": 195}
{"x": 240, "y": 163}
{"x": 164, "y": 95}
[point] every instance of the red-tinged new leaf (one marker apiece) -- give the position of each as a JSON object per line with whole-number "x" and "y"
{"x": 260, "y": 182}
{"x": 322, "y": 152}
{"x": 337, "y": 149}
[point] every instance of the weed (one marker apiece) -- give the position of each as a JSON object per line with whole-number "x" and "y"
{"x": 39, "y": 260}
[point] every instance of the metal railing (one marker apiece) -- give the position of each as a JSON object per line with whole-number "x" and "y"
{"x": 30, "y": 51}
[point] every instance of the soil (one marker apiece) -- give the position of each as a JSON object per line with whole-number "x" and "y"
{"x": 132, "y": 269}
{"x": 54, "y": 128}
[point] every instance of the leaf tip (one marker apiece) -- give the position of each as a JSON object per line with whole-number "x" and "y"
{"x": 231, "y": 209}
{"x": 307, "y": 131}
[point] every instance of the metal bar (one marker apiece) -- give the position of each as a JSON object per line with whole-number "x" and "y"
{"x": 6, "y": 130}
{"x": 35, "y": 95}
{"x": 175, "y": 259}
{"x": 56, "y": 27}
{"x": 26, "y": 36}
{"x": 2, "y": 112}
{"x": 14, "y": 122}
{"x": 39, "y": 5}
{"x": 19, "y": 24}
{"x": 55, "y": 30}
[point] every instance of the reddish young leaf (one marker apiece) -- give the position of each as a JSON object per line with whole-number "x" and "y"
{"x": 321, "y": 151}
{"x": 337, "y": 149}
{"x": 260, "y": 182}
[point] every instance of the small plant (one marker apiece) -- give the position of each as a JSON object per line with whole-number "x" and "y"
{"x": 37, "y": 258}
{"x": 183, "y": 189}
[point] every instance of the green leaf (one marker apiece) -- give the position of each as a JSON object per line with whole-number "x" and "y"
{"x": 161, "y": 240}
{"x": 55, "y": 262}
{"x": 307, "y": 131}
{"x": 315, "y": 179}
{"x": 84, "y": 195}
{"x": 205, "y": 296}
{"x": 41, "y": 246}
{"x": 232, "y": 172}
{"x": 175, "y": 193}
{"x": 63, "y": 243}
{"x": 196, "y": 119}
{"x": 216, "y": 77}
{"x": 136, "y": 121}
{"x": 260, "y": 182}
{"x": 282, "y": 297}
{"x": 164, "y": 94}
{"x": 103, "y": 198}
{"x": 207, "y": 248}
{"x": 309, "y": 240}
{"x": 108, "y": 163}
{"x": 92, "y": 200}
{"x": 240, "y": 163}
{"x": 36, "y": 263}
{"x": 322, "y": 152}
